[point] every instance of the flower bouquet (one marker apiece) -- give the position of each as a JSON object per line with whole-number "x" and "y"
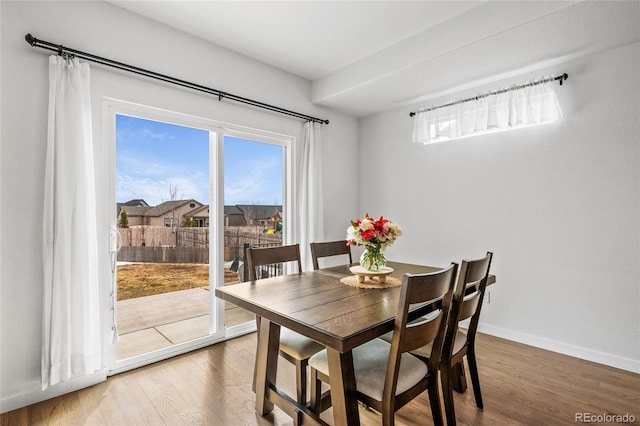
{"x": 375, "y": 236}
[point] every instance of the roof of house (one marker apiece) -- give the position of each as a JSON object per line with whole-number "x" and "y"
{"x": 229, "y": 210}
{"x": 198, "y": 212}
{"x": 168, "y": 206}
{"x": 160, "y": 209}
{"x": 254, "y": 211}
{"x": 138, "y": 202}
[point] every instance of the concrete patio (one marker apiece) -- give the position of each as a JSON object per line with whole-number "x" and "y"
{"x": 154, "y": 322}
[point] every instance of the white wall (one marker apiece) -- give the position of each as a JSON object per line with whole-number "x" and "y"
{"x": 559, "y": 205}
{"x": 108, "y": 31}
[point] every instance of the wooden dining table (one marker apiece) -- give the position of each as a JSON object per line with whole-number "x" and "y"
{"x": 317, "y": 305}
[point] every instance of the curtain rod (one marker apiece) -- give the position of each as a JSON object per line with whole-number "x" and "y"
{"x": 561, "y": 78}
{"x": 66, "y": 51}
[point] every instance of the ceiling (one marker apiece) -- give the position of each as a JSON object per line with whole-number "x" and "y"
{"x": 364, "y": 57}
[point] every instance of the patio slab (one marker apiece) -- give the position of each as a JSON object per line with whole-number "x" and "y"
{"x": 154, "y": 322}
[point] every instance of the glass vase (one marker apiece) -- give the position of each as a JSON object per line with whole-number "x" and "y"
{"x": 372, "y": 259}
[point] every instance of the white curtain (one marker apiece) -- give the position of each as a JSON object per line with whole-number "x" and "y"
{"x": 311, "y": 206}
{"x": 534, "y": 104}
{"x": 71, "y": 328}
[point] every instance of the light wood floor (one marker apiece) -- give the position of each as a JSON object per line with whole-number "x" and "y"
{"x": 521, "y": 385}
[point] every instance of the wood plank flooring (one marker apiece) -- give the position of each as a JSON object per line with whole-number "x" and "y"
{"x": 521, "y": 385}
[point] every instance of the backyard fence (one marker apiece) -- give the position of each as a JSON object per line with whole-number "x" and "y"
{"x": 164, "y": 254}
{"x": 156, "y": 244}
{"x": 156, "y": 236}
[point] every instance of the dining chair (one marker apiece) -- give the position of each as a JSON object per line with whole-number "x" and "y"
{"x": 327, "y": 249}
{"x": 387, "y": 376}
{"x": 294, "y": 347}
{"x": 466, "y": 304}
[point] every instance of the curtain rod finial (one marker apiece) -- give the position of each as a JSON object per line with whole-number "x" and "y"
{"x": 30, "y": 39}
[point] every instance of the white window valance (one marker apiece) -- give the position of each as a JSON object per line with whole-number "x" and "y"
{"x": 530, "y": 104}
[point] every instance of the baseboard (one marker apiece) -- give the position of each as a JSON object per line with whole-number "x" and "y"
{"x": 610, "y": 360}
{"x": 37, "y": 395}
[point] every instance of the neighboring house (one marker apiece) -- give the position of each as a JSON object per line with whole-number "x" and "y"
{"x": 251, "y": 214}
{"x": 167, "y": 214}
{"x": 200, "y": 215}
{"x": 261, "y": 214}
{"x": 233, "y": 216}
{"x": 138, "y": 202}
{"x": 174, "y": 213}
{"x": 136, "y": 215}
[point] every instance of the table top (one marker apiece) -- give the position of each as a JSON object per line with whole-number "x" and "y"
{"x": 319, "y": 306}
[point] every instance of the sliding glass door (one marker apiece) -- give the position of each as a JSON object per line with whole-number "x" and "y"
{"x": 189, "y": 195}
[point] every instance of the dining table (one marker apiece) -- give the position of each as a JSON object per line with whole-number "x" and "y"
{"x": 318, "y": 305}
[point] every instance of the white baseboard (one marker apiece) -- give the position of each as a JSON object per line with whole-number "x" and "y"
{"x": 38, "y": 395}
{"x": 615, "y": 361}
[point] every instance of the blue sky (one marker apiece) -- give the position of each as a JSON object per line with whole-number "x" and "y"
{"x": 152, "y": 157}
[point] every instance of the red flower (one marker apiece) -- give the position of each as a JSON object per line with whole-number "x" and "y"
{"x": 368, "y": 234}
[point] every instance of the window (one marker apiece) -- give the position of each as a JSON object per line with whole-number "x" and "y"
{"x": 530, "y": 104}
{"x": 170, "y": 222}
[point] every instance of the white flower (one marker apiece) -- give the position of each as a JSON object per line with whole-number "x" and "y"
{"x": 366, "y": 225}
{"x": 394, "y": 229}
{"x": 352, "y": 233}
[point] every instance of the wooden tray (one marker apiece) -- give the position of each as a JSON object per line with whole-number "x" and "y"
{"x": 362, "y": 273}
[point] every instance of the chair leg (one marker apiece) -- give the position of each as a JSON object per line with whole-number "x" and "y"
{"x": 316, "y": 391}
{"x": 458, "y": 377}
{"x": 388, "y": 415}
{"x": 447, "y": 393}
{"x": 434, "y": 401}
{"x": 475, "y": 378}
{"x": 301, "y": 381}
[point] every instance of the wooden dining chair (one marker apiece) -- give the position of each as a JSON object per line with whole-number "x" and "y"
{"x": 328, "y": 249}
{"x": 466, "y": 304}
{"x": 387, "y": 375}
{"x": 294, "y": 347}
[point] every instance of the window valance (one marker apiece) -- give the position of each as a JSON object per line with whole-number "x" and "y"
{"x": 529, "y": 104}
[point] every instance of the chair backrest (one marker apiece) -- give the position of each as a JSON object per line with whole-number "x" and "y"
{"x": 331, "y": 248}
{"x": 434, "y": 291}
{"x": 467, "y": 299}
{"x": 260, "y": 256}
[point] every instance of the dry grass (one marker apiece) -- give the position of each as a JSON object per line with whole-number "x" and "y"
{"x": 145, "y": 279}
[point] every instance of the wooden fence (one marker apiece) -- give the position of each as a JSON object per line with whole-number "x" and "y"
{"x": 164, "y": 254}
{"x": 188, "y": 245}
{"x": 156, "y": 236}
{"x": 235, "y": 238}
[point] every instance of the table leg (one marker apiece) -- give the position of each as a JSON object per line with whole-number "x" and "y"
{"x": 266, "y": 363}
{"x": 458, "y": 377}
{"x": 343, "y": 388}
